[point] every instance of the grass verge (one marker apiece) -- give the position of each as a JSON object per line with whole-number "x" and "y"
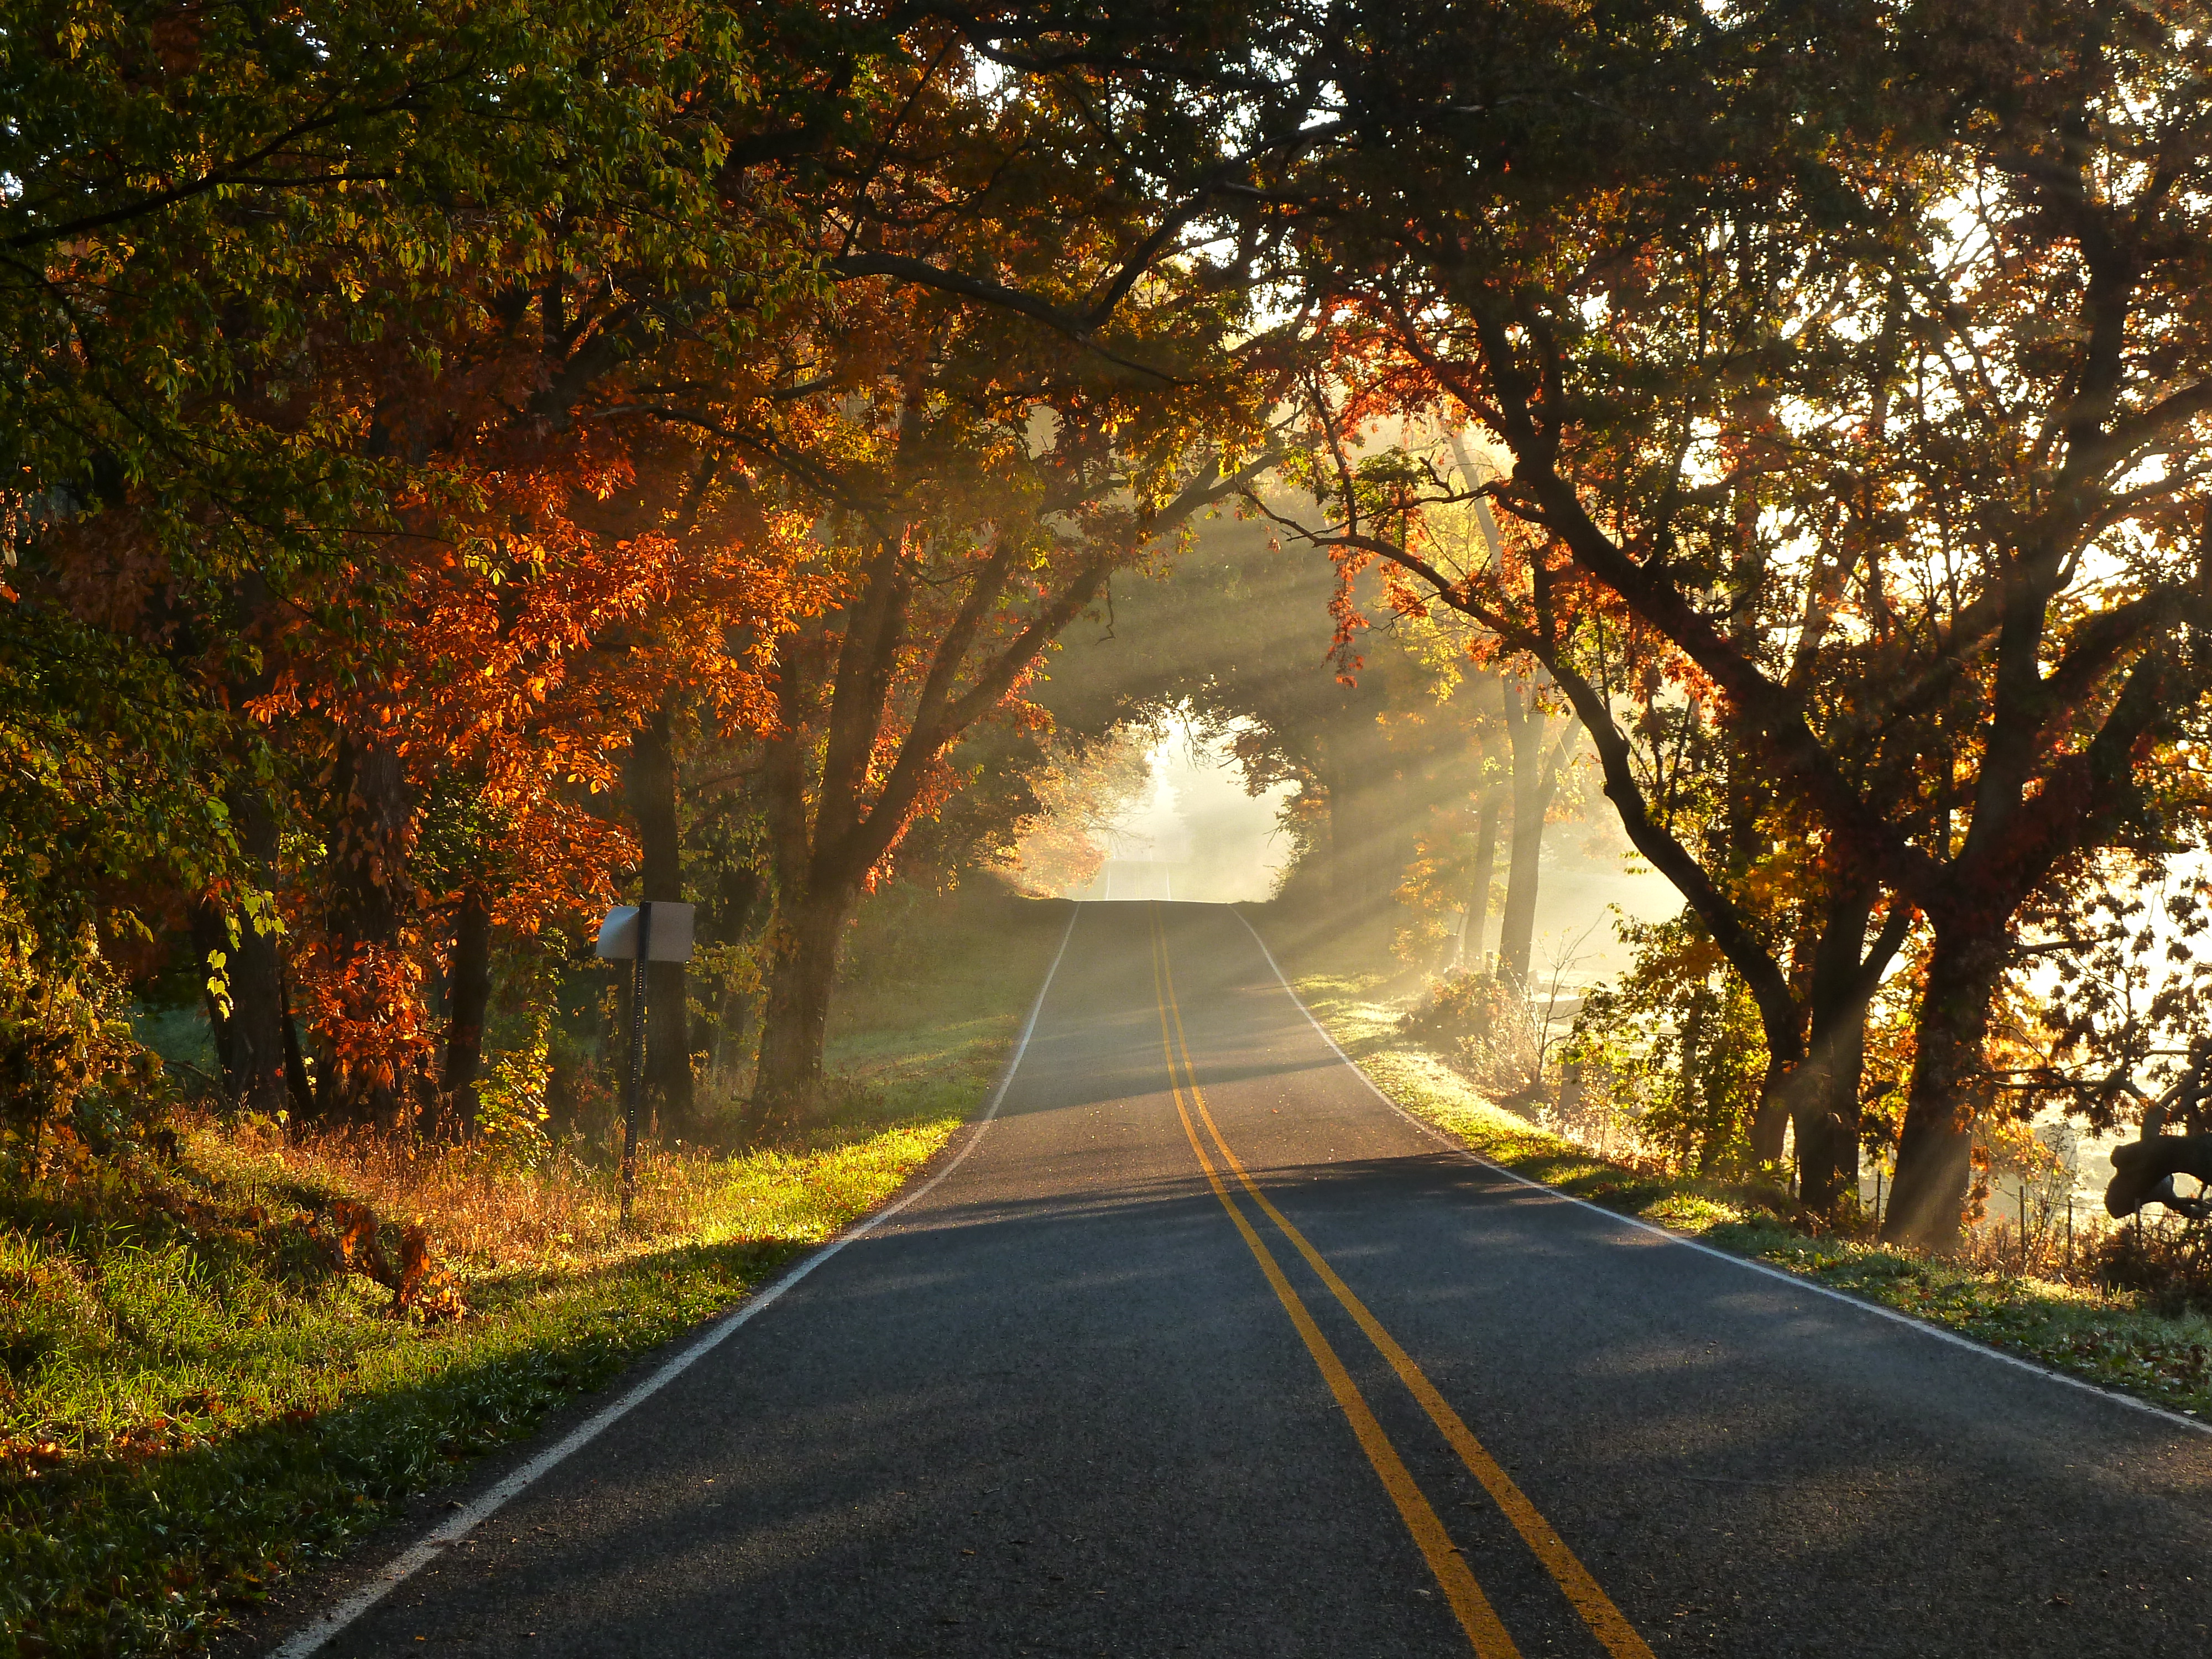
{"x": 2115, "y": 1341}
{"x": 194, "y": 1400}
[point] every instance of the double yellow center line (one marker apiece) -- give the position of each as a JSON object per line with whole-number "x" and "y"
{"x": 1476, "y": 1616}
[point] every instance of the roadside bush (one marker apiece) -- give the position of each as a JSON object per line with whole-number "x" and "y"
{"x": 1485, "y": 1024}
{"x": 1674, "y": 1050}
{"x": 75, "y": 1082}
{"x": 2169, "y": 1266}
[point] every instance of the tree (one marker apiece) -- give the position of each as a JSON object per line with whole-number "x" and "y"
{"x": 1791, "y": 934}
{"x": 1842, "y": 296}
{"x": 319, "y": 453}
{"x": 948, "y": 621}
{"x": 973, "y": 470}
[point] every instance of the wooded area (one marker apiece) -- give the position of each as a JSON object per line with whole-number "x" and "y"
{"x": 468, "y": 462}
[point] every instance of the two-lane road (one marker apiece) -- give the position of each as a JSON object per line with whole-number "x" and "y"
{"x": 1202, "y": 1348}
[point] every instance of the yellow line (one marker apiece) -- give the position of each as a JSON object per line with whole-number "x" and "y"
{"x": 1476, "y": 1616}
{"x": 1605, "y": 1621}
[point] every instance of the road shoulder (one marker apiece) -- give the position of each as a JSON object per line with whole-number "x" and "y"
{"x": 2108, "y": 1342}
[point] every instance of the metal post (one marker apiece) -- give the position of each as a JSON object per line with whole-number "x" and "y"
{"x": 635, "y": 1083}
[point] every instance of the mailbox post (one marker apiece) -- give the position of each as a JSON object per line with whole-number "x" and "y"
{"x": 655, "y": 931}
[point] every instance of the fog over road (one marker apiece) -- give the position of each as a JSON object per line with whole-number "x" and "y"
{"x": 1204, "y": 1349}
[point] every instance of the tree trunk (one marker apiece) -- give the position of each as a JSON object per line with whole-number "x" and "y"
{"x": 1536, "y": 779}
{"x": 468, "y": 999}
{"x": 650, "y": 783}
{"x": 210, "y": 935}
{"x": 802, "y": 968}
{"x": 1769, "y": 1118}
{"x": 726, "y": 919}
{"x": 1485, "y": 865}
{"x": 295, "y": 1061}
{"x": 1517, "y": 931}
{"x": 369, "y": 888}
{"x": 1824, "y": 1093}
{"x": 1949, "y": 1082}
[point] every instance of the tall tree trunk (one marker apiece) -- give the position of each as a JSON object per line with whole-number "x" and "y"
{"x": 802, "y": 947}
{"x": 1693, "y": 1078}
{"x": 468, "y": 998}
{"x": 297, "y": 1086}
{"x": 370, "y": 889}
{"x": 1516, "y": 929}
{"x": 727, "y": 919}
{"x": 1824, "y": 1093}
{"x": 1485, "y": 865}
{"x": 1535, "y": 778}
{"x": 210, "y": 935}
{"x": 1949, "y": 1086}
{"x": 1770, "y": 1117}
{"x": 650, "y": 783}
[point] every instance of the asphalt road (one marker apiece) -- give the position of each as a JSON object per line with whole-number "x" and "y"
{"x": 1093, "y": 1395}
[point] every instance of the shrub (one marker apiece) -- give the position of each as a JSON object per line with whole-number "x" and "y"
{"x": 2171, "y": 1266}
{"x": 74, "y": 1081}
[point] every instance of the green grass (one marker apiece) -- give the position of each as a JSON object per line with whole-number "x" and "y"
{"x": 192, "y": 1403}
{"x": 2115, "y": 1341}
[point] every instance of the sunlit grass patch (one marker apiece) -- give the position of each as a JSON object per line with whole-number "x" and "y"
{"x": 1689, "y": 1212}
{"x": 806, "y": 1197}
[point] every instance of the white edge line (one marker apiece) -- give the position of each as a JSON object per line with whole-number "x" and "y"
{"x": 434, "y": 1544}
{"x": 1795, "y": 1280}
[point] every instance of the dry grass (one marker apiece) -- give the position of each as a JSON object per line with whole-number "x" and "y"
{"x": 491, "y": 1219}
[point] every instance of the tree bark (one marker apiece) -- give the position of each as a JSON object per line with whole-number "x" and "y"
{"x": 1950, "y": 1085}
{"x": 649, "y": 782}
{"x": 802, "y": 969}
{"x": 1824, "y": 1093}
{"x": 368, "y": 878}
{"x": 727, "y": 919}
{"x": 1516, "y": 929}
{"x": 1770, "y": 1117}
{"x": 468, "y": 999}
{"x": 1486, "y": 865}
{"x": 210, "y": 936}
{"x": 1537, "y": 764}
{"x": 295, "y": 1061}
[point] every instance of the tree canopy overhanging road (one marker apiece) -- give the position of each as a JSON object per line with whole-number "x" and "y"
{"x": 1203, "y": 1347}
{"x": 472, "y": 470}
